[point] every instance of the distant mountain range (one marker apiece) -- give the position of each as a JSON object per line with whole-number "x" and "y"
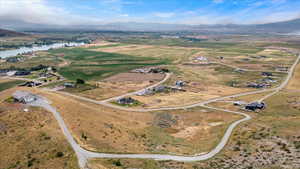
{"x": 9, "y": 33}
{"x": 283, "y": 27}
{"x": 287, "y": 27}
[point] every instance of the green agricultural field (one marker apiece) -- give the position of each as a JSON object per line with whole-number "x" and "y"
{"x": 94, "y": 65}
{"x": 9, "y": 84}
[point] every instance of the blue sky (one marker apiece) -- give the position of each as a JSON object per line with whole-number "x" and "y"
{"x": 64, "y": 12}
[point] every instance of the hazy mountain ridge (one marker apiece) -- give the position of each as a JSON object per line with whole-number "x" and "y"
{"x": 9, "y": 33}
{"x": 278, "y": 27}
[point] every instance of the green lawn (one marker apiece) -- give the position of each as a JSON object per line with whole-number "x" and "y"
{"x": 10, "y": 84}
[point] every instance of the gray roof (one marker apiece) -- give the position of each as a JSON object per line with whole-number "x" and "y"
{"x": 24, "y": 96}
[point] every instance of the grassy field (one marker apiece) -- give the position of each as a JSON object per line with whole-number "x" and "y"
{"x": 93, "y": 65}
{"x": 9, "y": 84}
{"x": 184, "y": 132}
{"x": 269, "y": 141}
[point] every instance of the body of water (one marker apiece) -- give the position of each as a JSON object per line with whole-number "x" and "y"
{"x": 22, "y": 50}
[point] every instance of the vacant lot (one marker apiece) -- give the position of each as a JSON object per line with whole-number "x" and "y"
{"x": 294, "y": 83}
{"x": 135, "y": 77}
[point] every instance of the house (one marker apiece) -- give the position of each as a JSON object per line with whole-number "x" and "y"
{"x": 201, "y": 58}
{"x": 3, "y": 72}
{"x": 13, "y": 59}
{"x": 153, "y": 90}
{"x": 46, "y": 75}
{"x": 160, "y": 88}
{"x": 151, "y": 70}
{"x": 179, "y": 83}
{"x": 255, "y": 106}
{"x": 257, "y": 85}
{"x": 22, "y": 73}
{"x": 158, "y": 70}
{"x": 139, "y": 71}
{"x": 39, "y": 67}
{"x": 11, "y": 73}
{"x": 24, "y": 97}
{"x": 145, "y": 92}
{"x": 31, "y": 84}
{"x": 282, "y": 69}
{"x": 269, "y": 80}
{"x": 69, "y": 85}
{"x": 266, "y": 74}
{"x": 126, "y": 100}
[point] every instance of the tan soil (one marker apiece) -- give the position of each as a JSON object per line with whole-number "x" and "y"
{"x": 135, "y": 77}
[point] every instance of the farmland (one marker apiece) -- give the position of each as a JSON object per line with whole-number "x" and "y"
{"x": 91, "y": 65}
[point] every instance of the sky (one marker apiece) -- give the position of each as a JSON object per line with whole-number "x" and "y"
{"x": 193, "y": 12}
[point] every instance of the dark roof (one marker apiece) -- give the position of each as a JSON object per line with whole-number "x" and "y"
{"x": 255, "y": 105}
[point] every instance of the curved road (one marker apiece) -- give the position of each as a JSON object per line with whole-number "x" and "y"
{"x": 83, "y": 155}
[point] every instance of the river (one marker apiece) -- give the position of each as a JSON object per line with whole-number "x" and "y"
{"x": 22, "y": 50}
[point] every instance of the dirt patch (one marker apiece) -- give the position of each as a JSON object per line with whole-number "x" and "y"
{"x": 190, "y": 132}
{"x": 165, "y": 120}
{"x": 135, "y": 77}
{"x": 294, "y": 83}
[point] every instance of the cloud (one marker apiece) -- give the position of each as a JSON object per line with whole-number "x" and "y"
{"x": 39, "y": 12}
{"x": 164, "y": 14}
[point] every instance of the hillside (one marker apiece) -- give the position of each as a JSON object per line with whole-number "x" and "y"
{"x": 283, "y": 27}
{"x": 9, "y": 33}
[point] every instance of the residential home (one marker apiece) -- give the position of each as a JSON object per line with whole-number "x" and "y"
{"x": 22, "y": 73}
{"x": 179, "y": 83}
{"x": 255, "y": 106}
{"x": 24, "y": 97}
{"x": 266, "y": 74}
{"x": 69, "y": 85}
{"x": 126, "y": 100}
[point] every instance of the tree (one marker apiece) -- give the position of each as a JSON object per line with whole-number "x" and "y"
{"x": 80, "y": 81}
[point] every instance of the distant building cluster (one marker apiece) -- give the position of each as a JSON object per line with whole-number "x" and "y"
{"x": 151, "y": 70}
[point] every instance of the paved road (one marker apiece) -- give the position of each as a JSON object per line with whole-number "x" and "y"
{"x": 83, "y": 155}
